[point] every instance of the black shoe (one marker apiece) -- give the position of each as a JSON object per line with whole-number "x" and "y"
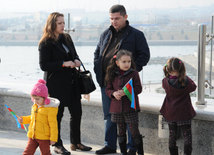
{"x": 131, "y": 152}
{"x": 105, "y": 150}
{"x": 61, "y": 150}
{"x": 80, "y": 147}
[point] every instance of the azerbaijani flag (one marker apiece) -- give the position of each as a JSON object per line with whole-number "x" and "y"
{"x": 14, "y": 115}
{"x": 129, "y": 91}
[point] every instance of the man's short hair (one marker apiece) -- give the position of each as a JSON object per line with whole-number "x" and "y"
{"x": 118, "y": 8}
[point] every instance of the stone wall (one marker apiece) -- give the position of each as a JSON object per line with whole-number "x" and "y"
{"x": 93, "y": 125}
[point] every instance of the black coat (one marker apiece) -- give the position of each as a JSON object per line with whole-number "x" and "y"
{"x": 133, "y": 40}
{"x": 62, "y": 82}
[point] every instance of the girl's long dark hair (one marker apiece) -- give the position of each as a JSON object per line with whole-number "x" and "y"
{"x": 175, "y": 64}
{"x": 112, "y": 69}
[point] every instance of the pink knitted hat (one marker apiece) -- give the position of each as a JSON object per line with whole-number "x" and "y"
{"x": 40, "y": 89}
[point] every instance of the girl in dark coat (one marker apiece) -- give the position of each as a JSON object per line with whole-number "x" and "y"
{"x": 119, "y": 72}
{"x": 177, "y": 108}
{"x": 59, "y": 59}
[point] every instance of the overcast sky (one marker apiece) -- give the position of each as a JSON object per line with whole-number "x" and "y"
{"x": 93, "y": 5}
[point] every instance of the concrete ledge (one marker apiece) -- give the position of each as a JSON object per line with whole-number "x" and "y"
{"x": 93, "y": 125}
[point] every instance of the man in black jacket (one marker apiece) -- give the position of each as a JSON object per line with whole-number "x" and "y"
{"x": 120, "y": 35}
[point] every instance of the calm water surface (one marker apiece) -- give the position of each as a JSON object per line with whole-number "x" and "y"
{"x": 21, "y": 63}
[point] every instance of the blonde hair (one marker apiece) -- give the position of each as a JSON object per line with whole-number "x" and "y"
{"x": 50, "y": 26}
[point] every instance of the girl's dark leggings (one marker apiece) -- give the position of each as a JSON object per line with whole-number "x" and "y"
{"x": 187, "y": 134}
{"x": 132, "y": 126}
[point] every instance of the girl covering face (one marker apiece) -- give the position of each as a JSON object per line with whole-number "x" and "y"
{"x": 175, "y": 67}
{"x": 177, "y": 107}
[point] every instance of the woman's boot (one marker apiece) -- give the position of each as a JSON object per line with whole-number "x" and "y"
{"x": 122, "y": 144}
{"x": 173, "y": 150}
{"x": 138, "y": 141}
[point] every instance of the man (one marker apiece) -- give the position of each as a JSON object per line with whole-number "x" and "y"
{"x": 120, "y": 35}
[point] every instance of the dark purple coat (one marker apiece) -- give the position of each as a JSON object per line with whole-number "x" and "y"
{"x": 124, "y": 105}
{"x": 177, "y": 105}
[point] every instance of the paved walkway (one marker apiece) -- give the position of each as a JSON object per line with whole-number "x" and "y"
{"x": 13, "y": 143}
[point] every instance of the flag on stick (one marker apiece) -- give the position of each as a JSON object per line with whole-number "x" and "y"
{"x": 14, "y": 115}
{"x": 129, "y": 91}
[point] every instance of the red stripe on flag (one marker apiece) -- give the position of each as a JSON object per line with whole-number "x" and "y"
{"x": 9, "y": 110}
{"x": 129, "y": 87}
{"x": 22, "y": 126}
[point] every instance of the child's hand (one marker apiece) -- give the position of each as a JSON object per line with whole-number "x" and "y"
{"x": 121, "y": 92}
{"x": 117, "y": 95}
{"x": 20, "y": 119}
{"x": 52, "y": 142}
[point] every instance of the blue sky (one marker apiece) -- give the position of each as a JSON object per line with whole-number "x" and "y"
{"x": 93, "y": 5}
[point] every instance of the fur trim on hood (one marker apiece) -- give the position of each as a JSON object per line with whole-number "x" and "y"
{"x": 54, "y": 102}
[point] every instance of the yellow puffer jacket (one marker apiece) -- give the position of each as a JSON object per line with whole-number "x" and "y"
{"x": 43, "y": 121}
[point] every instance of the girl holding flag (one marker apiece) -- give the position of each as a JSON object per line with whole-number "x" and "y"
{"x": 43, "y": 130}
{"x": 123, "y": 87}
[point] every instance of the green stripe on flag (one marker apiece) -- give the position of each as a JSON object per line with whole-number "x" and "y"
{"x": 13, "y": 113}
{"x": 126, "y": 91}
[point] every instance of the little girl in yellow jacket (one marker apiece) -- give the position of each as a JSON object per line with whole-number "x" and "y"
{"x": 43, "y": 130}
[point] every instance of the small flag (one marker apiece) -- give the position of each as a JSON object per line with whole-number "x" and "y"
{"x": 14, "y": 115}
{"x": 129, "y": 91}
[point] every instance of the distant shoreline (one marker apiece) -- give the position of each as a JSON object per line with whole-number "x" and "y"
{"x": 94, "y": 43}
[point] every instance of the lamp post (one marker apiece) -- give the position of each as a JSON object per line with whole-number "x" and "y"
{"x": 68, "y": 30}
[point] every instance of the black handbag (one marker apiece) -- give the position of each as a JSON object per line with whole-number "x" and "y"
{"x": 85, "y": 81}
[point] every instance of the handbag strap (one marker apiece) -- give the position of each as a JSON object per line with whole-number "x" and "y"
{"x": 81, "y": 65}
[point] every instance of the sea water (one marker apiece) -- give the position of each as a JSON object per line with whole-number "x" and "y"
{"x": 20, "y": 64}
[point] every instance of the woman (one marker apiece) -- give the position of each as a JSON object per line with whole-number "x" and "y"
{"x": 58, "y": 58}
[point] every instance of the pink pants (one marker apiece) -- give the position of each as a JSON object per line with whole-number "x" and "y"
{"x": 32, "y": 145}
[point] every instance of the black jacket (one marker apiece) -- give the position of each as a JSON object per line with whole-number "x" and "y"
{"x": 62, "y": 82}
{"x": 133, "y": 40}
